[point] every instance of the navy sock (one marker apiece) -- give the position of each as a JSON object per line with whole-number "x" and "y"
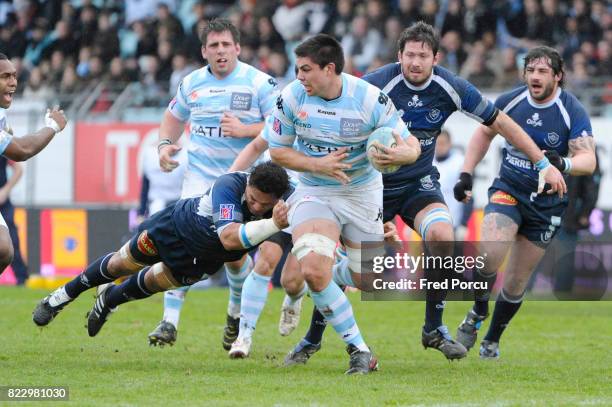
{"x": 317, "y": 327}
{"x": 506, "y": 307}
{"x": 133, "y": 288}
{"x": 94, "y": 275}
{"x": 434, "y": 304}
{"x": 481, "y": 297}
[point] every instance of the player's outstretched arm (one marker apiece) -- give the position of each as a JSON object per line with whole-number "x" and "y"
{"x": 170, "y": 130}
{"x": 249, "y": 154}
{"x": 240, "y": 236}
{"x": 331, "y": 165}
{"x": 22, "y": 148}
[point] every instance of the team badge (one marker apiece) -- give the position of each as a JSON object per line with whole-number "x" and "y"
{"x": 503, "y": 198}
{"x": 226, "y": 212}
{"x": 433, "y": 116}
{"x": 427, "y": 183}
{"x": 146, "y": 245}
{"x": 276, "y": 126}
{"x": 552, "y": 139}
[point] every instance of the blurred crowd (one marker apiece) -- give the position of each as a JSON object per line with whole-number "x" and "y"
{"x": 72, "y": 46}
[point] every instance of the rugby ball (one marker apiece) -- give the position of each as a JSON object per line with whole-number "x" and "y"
{"x": 381, "y": 136}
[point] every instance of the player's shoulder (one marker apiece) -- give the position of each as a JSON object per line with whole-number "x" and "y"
{"x": 232, "y": 182}
{"x": 571, "y": 102}
{"x": 512, "y": 97}
{"x": 254, "y": 75}
{"x": 195, "y": 78}
{"x": 382, "y": 76}
{"x": 293, "y": 94}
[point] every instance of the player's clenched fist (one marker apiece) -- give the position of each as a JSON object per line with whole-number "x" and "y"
{"x": 463, "y": 187}
{"x": 279, "y": 214}
{"x": 166, "y": 152}
{"x": 55, "y": 119}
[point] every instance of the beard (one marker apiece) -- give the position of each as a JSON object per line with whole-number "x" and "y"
{"x": 546, "y": 92}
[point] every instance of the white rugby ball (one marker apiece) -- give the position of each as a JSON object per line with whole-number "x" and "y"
{"x": 381, "y": 136}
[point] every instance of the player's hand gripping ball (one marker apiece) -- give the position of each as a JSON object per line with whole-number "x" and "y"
{"x": 382, "y": 136}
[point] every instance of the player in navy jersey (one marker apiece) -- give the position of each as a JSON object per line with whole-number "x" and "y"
{"x": 517, "y": 218}
{"x": 425, "y": 96}
{"x": 182, "y": 243}
{"x": 20, "y": 148}
{"x": 225, "y": 103}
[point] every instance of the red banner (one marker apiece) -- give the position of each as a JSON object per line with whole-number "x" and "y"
{"x": 106, "y": 162}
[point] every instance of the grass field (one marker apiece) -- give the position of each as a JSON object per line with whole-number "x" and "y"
{"x": 553, "y": 354}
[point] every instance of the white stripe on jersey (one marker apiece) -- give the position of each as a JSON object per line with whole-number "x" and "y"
{"x": 564, "y": 113}
{"x": 393, "y": 82}
{"x": 450, "y": 90}
{"x": 516, "y": 100}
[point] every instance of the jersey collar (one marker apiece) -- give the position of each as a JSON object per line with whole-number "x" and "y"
{"x": 423, "y": 86}
{"x": 537, "y": 105}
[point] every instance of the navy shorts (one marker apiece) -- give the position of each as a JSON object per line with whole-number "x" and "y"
{"x": 408, "y": 200}
{"x": 157, "y": 241}
{"x": 538, "y": 216}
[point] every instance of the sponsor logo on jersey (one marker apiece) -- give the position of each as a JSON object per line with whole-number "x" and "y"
{"x": 327, "y": 112}
{"x": 552, "y": 139}
{"x": 226, "y": 212}
{"x": 145, "y": 245}
{"x": 434, "y": 116}
{"x": 503, "y": 198}
{"x": 216, "y": 90}
{"x": 193, "y": 95}
{"x": 519, "y": 162}
{"x": 535, "y": 120}
{"x": 241, "y": 101}
{"x": 302, "y": 115}
{"x": 207, "y": 131}
{"x": 415, "y": 102}
{"x": 350, "y": 127}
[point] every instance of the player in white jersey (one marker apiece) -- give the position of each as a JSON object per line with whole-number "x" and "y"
{"x": 339, "y": 193}
{"x": 20, "y": 148}
{"x": 225, "y": 103}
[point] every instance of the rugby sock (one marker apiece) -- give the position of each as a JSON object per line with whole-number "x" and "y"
{"x": 317, "y": 327}
{"x": 254, "y": 296}
{"x": 290, "y": 300}
{"x": 336, "y": 308}
{"x": 433, "y": 314}
{"x": 341, "y": 273}
{"x": 94, "y": 275}
{"x": 506, "y": 307}
{"x": 235, "y": 279}
{"x": 173, "y": 304}
{"x": 133, "y": 288}
{"x": 481, "y": 297}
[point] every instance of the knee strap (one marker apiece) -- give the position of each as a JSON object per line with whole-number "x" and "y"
{"x": 434, "y": 216}
{"x": 314, "y": 242}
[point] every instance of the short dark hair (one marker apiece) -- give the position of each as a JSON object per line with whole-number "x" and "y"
{"x": 270, "y": 178}
{"x": 419, "y": 32}
{"x": 323, "y": 50}
{"x": 219, "y": 25}
{"x": 551, "y": 55}
{"x": 3, "y": 57}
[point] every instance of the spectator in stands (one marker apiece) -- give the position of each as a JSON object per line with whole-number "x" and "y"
{"x": 63, "y": 40}
{"x": 342, "y": 18}
{"x": 38, "y": 43}
{"x": 553, "y": 21}
{"x": 429, "y": 9}
{"x": 106, "y": 43}
{"x": 509, "y": 76}
{"x": 477, "y": 19}
{"x": 290, "y": 20}
{"x": 70, "y": 83}
{"x": 476, "y": 70}
{"x": 388, "y": 48}
{"x": 147, "y": 44}
{"x": 268, "y": 36}
{"x": 37, "y": 88}
{"x": 452, "y": 49}
{"x": 87, "y": 26}
{"x": 604, "y": 59}
{"x": 409, "y": 12}
{"x": 13, "y": 40}
{"x": 362, "y": 44}
{"x": 180, "y": 69}
{"x": 56, "y": 67}
{"x": 170, "y": 22}
{"x": 453, "y": 19}
{"x": 164, "y": 55}
{"x": 377, "y": 14}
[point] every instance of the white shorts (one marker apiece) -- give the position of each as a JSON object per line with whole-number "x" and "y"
{"x": 3, "y": 222}
{"x": 194, "y": 185}
{"x": 357, "y": 210}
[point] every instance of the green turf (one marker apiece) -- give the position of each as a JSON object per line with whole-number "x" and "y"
{"x": 553, "y": 354}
